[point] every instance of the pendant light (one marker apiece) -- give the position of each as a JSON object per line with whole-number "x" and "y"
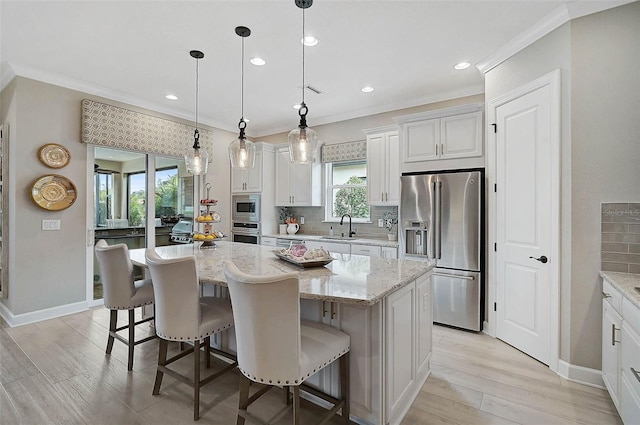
{"x": 197, "y": 159}
{"x": 303, "y": 141}
{"x": 242, "y": 152}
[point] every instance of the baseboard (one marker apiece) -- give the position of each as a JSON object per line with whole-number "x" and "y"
{"x": 581, "y": 375}
{"x": 14, "y": 320}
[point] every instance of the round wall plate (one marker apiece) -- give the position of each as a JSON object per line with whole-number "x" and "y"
{"x": 54, "y": 155}
{"x": 53, "y": 192}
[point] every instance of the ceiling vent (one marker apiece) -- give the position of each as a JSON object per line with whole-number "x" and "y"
{"x": 312, "y": 89}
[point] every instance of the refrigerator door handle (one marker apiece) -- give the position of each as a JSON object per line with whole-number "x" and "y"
{"x": 437, "y": 229}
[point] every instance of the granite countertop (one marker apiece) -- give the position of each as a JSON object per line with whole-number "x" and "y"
{"x": 361, "y": 240}
{"x": 352, "y": 279}
{"x": 625, "y": 283}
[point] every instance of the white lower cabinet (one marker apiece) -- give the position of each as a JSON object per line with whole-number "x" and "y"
{"x": 267, "y": 241}
{"x": 611, "y": 324}
{"x": 630, "y": 364}
{"x": 621, "y": 352}
{"x": 371, "y": 251}
{"x": 389, "y": 252}
{"x": 334, "y": 247}
{"x": 424, "y": 320}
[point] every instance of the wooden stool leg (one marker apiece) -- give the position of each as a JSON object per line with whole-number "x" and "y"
{"x": 196, "y": 379}
{"x": 243, "y": 400}
{"x": 207, "y": 351}
{"x": 132, "y": 333}
{"x": 296, "y": 405}
{"x": 344, "y": 386}
{"x": 113, "y": 323}
{"x": 162, "y": 361}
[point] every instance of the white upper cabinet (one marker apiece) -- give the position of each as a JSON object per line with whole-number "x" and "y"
{"x": 297, "y": 184}
{"x": 251, "y": 180}
{"x": 383, "y": 166}
{"x": 442, "y": 135}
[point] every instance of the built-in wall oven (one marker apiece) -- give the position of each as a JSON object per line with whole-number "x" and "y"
{"x": 246, "y": 232}
{"x": 245, "y": 208}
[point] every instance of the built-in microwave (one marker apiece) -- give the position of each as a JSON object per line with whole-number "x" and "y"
{"x": 245, "y": 208}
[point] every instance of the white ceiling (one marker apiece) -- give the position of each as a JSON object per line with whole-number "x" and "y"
{"x": 137, "y": 52}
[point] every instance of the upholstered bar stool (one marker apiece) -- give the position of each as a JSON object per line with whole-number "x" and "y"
{"x": 183, "y": 316}
{"x": 122, "y": 292}
{"x": 276, "y": 348}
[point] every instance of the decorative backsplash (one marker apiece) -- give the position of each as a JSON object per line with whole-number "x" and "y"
{"x": 620, "y": 251}
{"x": 313, "y": 224}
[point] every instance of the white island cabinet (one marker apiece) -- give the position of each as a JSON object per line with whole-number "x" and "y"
{"x": 383, "y": 304}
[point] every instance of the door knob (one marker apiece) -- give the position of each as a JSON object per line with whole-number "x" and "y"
{"x": 542, "y": 259}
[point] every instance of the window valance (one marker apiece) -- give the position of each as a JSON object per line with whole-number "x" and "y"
{"x": 114, "y": 127}
{"x": 345, "y": 152}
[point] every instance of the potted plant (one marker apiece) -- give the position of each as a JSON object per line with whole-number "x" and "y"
{"x": 390, "y": 220}
{"x": 284, "y": 215}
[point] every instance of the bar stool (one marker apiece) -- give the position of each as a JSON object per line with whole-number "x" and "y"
{"x": 183, "y": 316}
{"x": 276, "y": 348}
{"x": 122, "y": 292}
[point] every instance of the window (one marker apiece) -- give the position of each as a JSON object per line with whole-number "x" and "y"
{"x": 103, "y": 198}
{"x": 137, "y": 194}
{"x": 346, "y": 184}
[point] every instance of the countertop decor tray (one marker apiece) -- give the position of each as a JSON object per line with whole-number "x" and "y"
{"x": 302, "y": 262}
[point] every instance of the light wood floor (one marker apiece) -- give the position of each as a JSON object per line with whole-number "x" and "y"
{"x": 56, "y": 372}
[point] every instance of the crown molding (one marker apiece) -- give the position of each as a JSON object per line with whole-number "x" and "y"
{"x": 381, "y": 109}
{"x": 13, "y": 70}
{"x": 560, "y": 16}
{"x": 532, "y": 34}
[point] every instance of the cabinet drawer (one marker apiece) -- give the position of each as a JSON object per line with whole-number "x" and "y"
{"x": 630, "y": 359}
{"x": 629, "y": 403}
{"x": 631, "y": 314}
{"x": 613, "y": 296}
{"x": 371, "y": 251}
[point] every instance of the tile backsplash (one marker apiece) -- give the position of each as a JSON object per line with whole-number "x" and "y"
{"x": 620, "y": 250}
{"x": 313, "y": 224}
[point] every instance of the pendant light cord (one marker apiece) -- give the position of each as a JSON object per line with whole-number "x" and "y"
{"x": 303, "y": 35}
{"x": 242, "y": 83}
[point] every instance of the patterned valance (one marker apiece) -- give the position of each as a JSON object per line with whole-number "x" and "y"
{"x": 114, "y": 127}
{"x": 345, "y": 152}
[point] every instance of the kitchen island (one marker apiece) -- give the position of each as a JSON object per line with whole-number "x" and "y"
{"x": 383, "y": 304}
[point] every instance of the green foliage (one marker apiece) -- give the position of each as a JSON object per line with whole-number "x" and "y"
{"x": 390, "y": 219}
{"x": 352, "y": 200}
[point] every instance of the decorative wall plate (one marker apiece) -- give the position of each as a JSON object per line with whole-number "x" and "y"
{"x": 53, "y": 192}
{"x": 54, "y": 155}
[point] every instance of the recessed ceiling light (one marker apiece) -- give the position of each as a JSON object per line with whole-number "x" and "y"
{"x": 367, "y": 89}
{"x": 296, "y": 106}
{"x": 309, "y": 40}
{"x": 171, "y": 97}
{"x": 257, "y": 61}
{"x": 462, "y": 65}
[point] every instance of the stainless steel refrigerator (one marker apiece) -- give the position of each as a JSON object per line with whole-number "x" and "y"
{"x": 441, "y": 215}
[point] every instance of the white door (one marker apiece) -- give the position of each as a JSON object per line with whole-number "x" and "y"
{"x": 526, "y": 221}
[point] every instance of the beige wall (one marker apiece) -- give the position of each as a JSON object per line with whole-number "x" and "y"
{"x": 351, "y": 130}
{"x": 600, "y": 150}
{"x": 605, "y": 153}
{"x": 546, "y": 55}
{"x": 40, "y": 276}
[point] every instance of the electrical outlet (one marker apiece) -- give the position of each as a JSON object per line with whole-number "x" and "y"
{"x": 301, "y": 220}
{"x": 50, "y": 224}
{"x": 380, "y": 223}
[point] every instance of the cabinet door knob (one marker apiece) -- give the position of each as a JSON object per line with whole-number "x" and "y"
{"x": 605, "y": 295}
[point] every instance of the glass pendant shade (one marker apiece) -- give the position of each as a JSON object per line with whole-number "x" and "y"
{"x": 242, "y": 153}
{"x": 303, "y": 145}
{"x": 196, "y": 161}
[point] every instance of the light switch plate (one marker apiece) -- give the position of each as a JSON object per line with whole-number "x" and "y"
{"x": 380, "y": 223}
{"x": 50, "y": 224}
{"x": 301, "y": 220}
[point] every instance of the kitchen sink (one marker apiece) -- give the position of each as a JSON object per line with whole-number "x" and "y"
{"x": 339, "y": 238}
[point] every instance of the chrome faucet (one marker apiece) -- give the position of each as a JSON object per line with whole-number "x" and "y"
{"x": 342, "y": 221}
